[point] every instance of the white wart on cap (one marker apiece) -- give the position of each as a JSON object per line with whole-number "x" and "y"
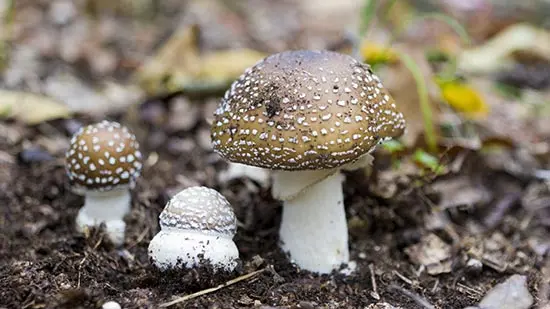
{"x": 103, "y": 163}
{"x": 197, "y": 227}
{"x": 306, "y": 115}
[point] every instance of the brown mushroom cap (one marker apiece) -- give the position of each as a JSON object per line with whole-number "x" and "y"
{"x": 102, "y": 157}
{"x": 304, "y": 110}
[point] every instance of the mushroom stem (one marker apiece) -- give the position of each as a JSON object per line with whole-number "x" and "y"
{"x": 191, "y": 248}
{"x": 107, "y": 207}
{"x": 287, "y": 188}
{"x": 314, "y": 227}
{"x": 237, "y": 170}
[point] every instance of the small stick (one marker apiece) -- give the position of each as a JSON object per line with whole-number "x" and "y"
{"x": 140, "y": 238}
{"x": 415, "y": 297}
{"x": 405, "y": 279}
{"x": 214, "y": 289}
{"x": 98, "y": 243}
{"x": 374, "y": 292}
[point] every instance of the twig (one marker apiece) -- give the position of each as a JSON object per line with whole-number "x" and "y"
{"x": 405, "y": 279}
{"x": 140, "y": 238}
{"x": 80, "y": 268}
{"x": 98, "y": 243}
{"x": 415, "y": 297}
{"x": 214, "y": 289}
{"x": 374, "y": 292}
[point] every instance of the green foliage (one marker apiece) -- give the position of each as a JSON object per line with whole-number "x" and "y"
{"x": 428, "y": 161}
{"x": 367, "y": 15}
{"x": 6, "y": 23}
{"x": 422, "y": 90}
{"x": 393, "y": 146}
{"x": 508, "y": 91}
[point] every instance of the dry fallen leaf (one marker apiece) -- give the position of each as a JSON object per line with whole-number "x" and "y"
{"x": 179, "y": 53}
{"x": 227, "y": 65}
{"x": 510, "y": 294}
{"x": 497, "y": 53}
{"x": 179, "y": 65}
{"x": 459, "y": 191}
{"x": 31, "y": 108}
{"x": 433, "y": 253}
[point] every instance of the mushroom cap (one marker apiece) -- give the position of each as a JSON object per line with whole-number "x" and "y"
{"x": 304, "y": 110}
{"x": 200, "y": 209}
{"x": 103, "y": 157}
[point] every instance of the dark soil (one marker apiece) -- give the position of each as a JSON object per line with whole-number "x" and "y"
{"x": 47, "y": 264}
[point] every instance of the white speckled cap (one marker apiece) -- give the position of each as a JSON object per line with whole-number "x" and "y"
{"x": 201, "y": 209}
{"x": 304, "y": 110}
{"x": 102, "y": 157}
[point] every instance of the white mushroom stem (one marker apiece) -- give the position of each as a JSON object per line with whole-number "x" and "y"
{"x": 314, "y": 227}
{"x": 237, "y": 170}
{"x": 288, "y": 185}
{"x": 192, "y": 249}
{"x": 107, "y": 207}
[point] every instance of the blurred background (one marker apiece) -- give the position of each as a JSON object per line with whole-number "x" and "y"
{"x": 473, "y": 170}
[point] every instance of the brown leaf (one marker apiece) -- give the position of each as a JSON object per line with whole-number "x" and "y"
{"x": 31, "y": 108}
{"x": 432, "y": 253}
{"x": 179, "y": 65}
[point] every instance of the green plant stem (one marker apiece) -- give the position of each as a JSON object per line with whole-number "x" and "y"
{"x": 453, "y": 23}
{"x": 5, "y": 33}
{"x": 368, "y": 14}
{"x": 422, "y": 90}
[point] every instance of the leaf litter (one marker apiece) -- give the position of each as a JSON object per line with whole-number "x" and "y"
{"x": 428, "y": 229}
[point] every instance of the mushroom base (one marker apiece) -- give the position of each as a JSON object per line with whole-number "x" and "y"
{"x": 106, "y": 207}
{"x": 314, "y": 227}
{"x": 189, "y": 249}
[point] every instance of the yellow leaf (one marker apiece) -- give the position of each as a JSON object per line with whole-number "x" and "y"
{"x": 498, "y": 52}
{"x": 373, "y": 53}
{"x": 31, "y": 108}
{"x": 463, "y": 98}
{"x": 179, "y": 65}
{"x": 179, "y": 54}
{"x": 227, "y": 65}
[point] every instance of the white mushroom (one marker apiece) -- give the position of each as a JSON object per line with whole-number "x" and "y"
{"x": 103, "y": 163}
{"x": 111, "y": 305}
{"x": 307, "y": 115}
{"x": 197, "y": 226}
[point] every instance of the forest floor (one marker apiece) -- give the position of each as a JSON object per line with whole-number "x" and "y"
{"x": 419, "y": 239}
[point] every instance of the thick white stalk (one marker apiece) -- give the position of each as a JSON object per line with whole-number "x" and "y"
{"x": 107, "y": 207}
{"x": 288, "y": 185}
{"x": 192, "y": 248}
{"x": 314, "y": 227}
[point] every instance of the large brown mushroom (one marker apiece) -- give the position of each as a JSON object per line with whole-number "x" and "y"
{"x": 306, "y": 115}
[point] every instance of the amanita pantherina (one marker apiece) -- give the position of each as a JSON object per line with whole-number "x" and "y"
{"x": 103, "y": 162}
{"x": 197, "y": 225}
{"x": 306, "y": 115}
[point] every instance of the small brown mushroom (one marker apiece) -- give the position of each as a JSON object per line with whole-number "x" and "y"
{"x": 305, "y": 115}
{"x": 103, "y": 163}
